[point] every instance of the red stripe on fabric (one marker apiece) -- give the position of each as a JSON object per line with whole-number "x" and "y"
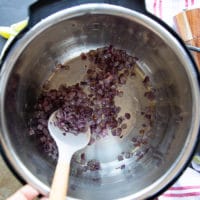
{"x": 154, "y": 6}
{"x": 185, "y": 188}
{"x": 186, "y": 3}
{"x": 192, "y": 2}
{"x": 160, "y": 9}
{"x": 189, "y": 194}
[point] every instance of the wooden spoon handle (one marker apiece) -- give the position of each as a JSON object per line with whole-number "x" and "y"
{"x": 60, "y": 181}
{"x": 188, "y": 26}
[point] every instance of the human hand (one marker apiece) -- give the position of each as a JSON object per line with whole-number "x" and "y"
{"x": 26, "y": 193}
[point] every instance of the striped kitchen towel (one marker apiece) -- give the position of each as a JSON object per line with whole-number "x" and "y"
{"x": 186, "y": 188}
{"x": 166, "y": 9}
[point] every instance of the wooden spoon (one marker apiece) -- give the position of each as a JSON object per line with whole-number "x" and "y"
{"x": 68, "y": 144}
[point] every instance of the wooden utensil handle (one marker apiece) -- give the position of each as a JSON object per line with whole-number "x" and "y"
{"x": 60, "y": 181}
{"x": 188, "y": 26}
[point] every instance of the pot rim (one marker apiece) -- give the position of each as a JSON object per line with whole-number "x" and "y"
{"x": 178, "y": 48}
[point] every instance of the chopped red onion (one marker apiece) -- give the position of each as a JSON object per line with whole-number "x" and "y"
{"x": 77, "y": 110}
{"x": 127, "y": 115}
{"x": 122, "y": 166}
{"x": 120, "y": 158}
{"x": 83, "y": 56}
{"x": 146, "y": 80}
{"x": 150, "y": 95}
{"x": 93, "y": 165}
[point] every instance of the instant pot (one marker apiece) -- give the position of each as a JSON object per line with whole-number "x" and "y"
{"x": 59, "y": 31}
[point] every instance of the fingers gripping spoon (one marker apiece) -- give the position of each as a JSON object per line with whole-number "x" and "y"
{"x": 67, "y": 145}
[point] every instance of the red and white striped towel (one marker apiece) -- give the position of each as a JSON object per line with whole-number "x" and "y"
{"x": 188, "y": 185}
{"x": 166, "y": 9}
{"x": 186, "y": 188}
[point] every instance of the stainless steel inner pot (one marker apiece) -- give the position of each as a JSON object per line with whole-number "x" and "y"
{"x": 62, "y": 37}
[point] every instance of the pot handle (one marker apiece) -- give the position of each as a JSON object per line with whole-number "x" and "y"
{"x": 44, "y": 8}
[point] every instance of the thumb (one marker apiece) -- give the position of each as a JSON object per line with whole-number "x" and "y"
{"x": 24, "y": 193}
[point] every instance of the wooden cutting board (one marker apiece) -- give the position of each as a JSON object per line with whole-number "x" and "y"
{"x": 188, "y": 26}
